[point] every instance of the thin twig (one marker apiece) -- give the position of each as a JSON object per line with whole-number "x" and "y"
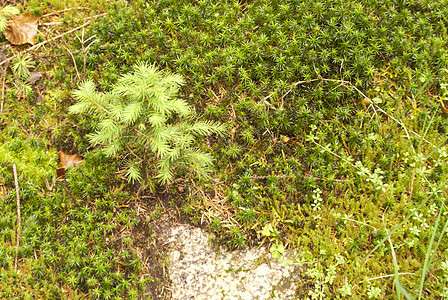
{"x": 3, "y": 85}
{"x": 390, "y": 275}
{"x": 343, "y": 82}
{"x": 351, "y": 85}
{"x": 84, "y": 56}
{"x": 84, "y": 50}
{"x": 19, "y": 217}
{"x": 292, "y": 86}
{"x": 56, "y": 55}
{"x": 60, "y": 22}
{"x": 58, "y": 36}
{"x": 64, "y": 10}
{"x": 54, "y": 38}
{"x": 290, "y": 176}
{"x": 51, "y": 23}
{"x": 74, "y": 63}
{"x": 63, "y": 54}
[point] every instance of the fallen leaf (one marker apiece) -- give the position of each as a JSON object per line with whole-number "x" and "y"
{"x": 22, "y": 29}
{"x": 67, "y": 160}
{"x": 35, "y": 76}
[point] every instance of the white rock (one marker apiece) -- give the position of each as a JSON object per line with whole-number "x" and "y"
{"x": 197, "y": 271}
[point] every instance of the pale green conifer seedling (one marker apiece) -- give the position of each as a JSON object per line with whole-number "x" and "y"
{"x": 143, "y": 119}
{"x": 5, "y": 12}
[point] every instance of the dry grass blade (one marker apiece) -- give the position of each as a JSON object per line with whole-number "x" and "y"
{"x": 19, "y": 217}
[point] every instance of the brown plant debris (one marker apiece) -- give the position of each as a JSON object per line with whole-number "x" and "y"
{"x": 22, "y": 29}
{"x": 67, "y": 160}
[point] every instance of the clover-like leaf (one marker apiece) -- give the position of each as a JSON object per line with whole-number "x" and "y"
{"x": 267, "y": 230}
{"x": 277, "y": 250}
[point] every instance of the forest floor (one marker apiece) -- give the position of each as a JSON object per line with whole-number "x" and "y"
{"x": 314, "y": 130}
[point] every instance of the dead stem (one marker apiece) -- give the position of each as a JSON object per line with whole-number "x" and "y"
{"x": 19, "y": 217}
{"x": 3, "y": 85}
{"x": 54, "y": 38}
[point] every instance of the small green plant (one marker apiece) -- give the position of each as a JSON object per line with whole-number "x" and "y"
{"x": 21, "y": 65}
{"x": 346, "y": 290}
{"x": 277, "y": 250}
{"x": 373, "y": 292}
{"x": 142, "y": 117}
{"x": 325, "y": 277}
{"x": 5, "y": 12}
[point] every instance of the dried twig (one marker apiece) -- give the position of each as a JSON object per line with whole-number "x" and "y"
{"x": 58, "y": 36}
{"x": 64, "y": 10}
{"x": 56, "y": 55}
{"x": 63, "y": 54}
{"x": 348, "y": 84}
{"x": 290, "y": 176}
{"x": 3, "y": 85}
{"x": 84, "y": 50}
{"x": 74, "y": 63}
{"x": 54, "y": 38}
{"x": 19, "y": 217}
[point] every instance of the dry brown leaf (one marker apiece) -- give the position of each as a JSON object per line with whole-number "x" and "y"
{"x": 22, "y": 29}
{"x": 67, "y": 160}
{"x": 35, "y": 76}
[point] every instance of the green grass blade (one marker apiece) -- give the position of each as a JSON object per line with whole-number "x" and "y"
{"x": 437, "y": 148}
{"x": 404, "y": 291}
{"x": 422, "y": 138}
{"x": 428, "y": 255}
{"x": 397, "y": 278}
{"x": 422, "y": 88}
{"x": 395, "y": 229}
{"x": 400, "y": 289}
{"x": 440, "y": 239}
{"x": 401, "y": 223}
